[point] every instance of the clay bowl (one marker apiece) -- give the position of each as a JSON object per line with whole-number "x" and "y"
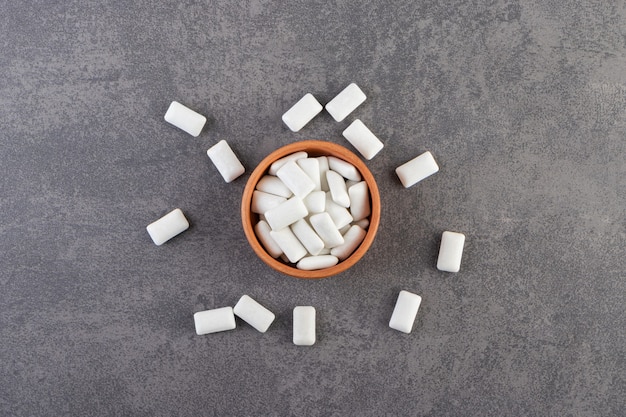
{"x": 313, "y": 148}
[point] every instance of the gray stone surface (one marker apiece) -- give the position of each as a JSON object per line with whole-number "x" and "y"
{"x": 522, "y": 103}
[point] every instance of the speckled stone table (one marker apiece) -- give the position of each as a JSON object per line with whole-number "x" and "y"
{"x": 522, "y": 103}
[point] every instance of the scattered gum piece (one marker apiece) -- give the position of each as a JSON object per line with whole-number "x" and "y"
{"x": 363, "y": 139}
{"x": 418, "y": 168}
{"x": 450, "y": 251}
{"x": 345, "y": 102}
{"x": 302, "y": 112}
{"x": 304, "y": 326}
{"x": 225, "y": 161}
{"x": 405, "y": 311}
{"x": 168, "y": 226}
{"x": 184, "y": 118}
{"x": 216, "y": 320}
{"x": 254, "y": 313}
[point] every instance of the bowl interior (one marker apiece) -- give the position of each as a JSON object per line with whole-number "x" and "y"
{"x": 313, "y": 148}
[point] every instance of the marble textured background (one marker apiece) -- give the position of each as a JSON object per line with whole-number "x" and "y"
{"x": 522, "y": 103}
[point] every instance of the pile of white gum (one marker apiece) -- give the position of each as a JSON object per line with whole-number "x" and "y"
{"x": 313, "y": 211}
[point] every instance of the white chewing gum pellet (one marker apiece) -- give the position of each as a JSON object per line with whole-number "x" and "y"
{"x": 325, "y": 251}
{"x": 345, "y": 102}
{"x": 262, "y": 230}
{"x": 352, "y": 239}
{"x": 295, "y": 179}
{"x": 273, "y": 185}
{"x": 315, "y": 202}
{"x": 307, "y": 236}
{"x": 262, "y": 202}
{"x": 338, "y": 190}
{"x": 311, "y": 263}
{"x": 340, "y": 215}
{"x": 286, "y": 213}
{"x": 343, "y": 168}
{"x": 289, "y": 243}
{"x": 225, "y": 161}
{"x": 325, "y": 228}
{"x": 216, "y": 320}
{"x": 359, "y": 201}
{"x": 450, "y": 251}
{"x": 418, "y": 168}
{"x": 254, "y": 313}
{"x": 363, "y": 223}
{"x": 282, "y": 161}
{"x": 323, "y": 161}
{"x": 167, "y": 227}
{"x": 363, "y": 139}
{"x": 311, "y": 166}
{"x": 302, "y": 112}
{"x": 184, "y": 118}
{"x": 405, "y": 311}
{"x": 304, "y": 326}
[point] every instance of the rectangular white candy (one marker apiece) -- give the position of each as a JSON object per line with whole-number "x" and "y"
{"x": 167, "y": 227}
{"x": 295, "y": 179}
{"x": 282, "y": 161}
{"x": 315, "y": 202}
{"x": 363, "y": 223}
{"x": 216, "y": 320}
{"x": 340, "y": 215}
{"x": 302, "y": 112}
{"x": 254, "y": 313}
{"x": 225, "y": 161}
{"x": 345, "y": 102}
{"x": 363, "y": 139}
{"x": 184, "y": 118}
{"x": 338, "y": 191}
{"x": 273, "y": 185}
{"x": 304, "y": 326}
{"x": 262, "y": 230}
{"x": 263, "y": 202}
{"x": 360, "y": 207}
{"x": 310, "y": 263}
{"x": 352, "y": 239}
{"x": 405, "y": 311}
{"x": 326, "y": 229}
{"x": 418, "y": 168}
{"x": 343, "y": 168}
{"x": 323, "y": 161}
{"x": 289, "y": 243}
{"x": 311, "y": 166}
{"x": 307, "y": 236}
{"x": 450, "y": 251}
{"x": 286, "y": 213}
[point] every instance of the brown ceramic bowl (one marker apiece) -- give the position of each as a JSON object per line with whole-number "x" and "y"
{"x": 313, "y": 148}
